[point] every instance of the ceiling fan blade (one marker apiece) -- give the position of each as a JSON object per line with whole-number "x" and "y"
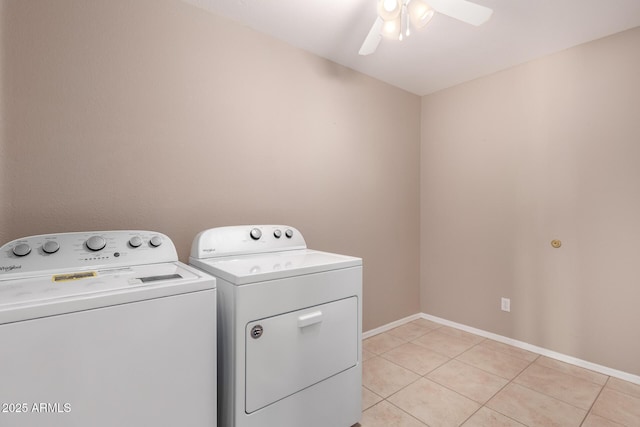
{"x": 373, "y": 38}
{"x": 462, "y": 10}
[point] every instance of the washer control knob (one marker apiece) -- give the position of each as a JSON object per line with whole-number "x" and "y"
{"x": 21, "y": 249}
{"x": 289, "y": 233}
{"x": 51, "y": 247}
{"x": 96, "y": 243}
{"x": 277, "y": 234}
{"x": 256, "y": 234}
{"x": 135, "y": 241}
{"x": 155, "y": 241}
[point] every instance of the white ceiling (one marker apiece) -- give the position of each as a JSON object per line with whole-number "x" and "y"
{"x": 446, "y": 52}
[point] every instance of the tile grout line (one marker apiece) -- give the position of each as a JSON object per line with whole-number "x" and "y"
{"x": 450, "y": 358}
{"x": 535, "y": 361}
{"x": 386, "y": 399}
{"x": 589, "y": 411}
{"x": 573, "y": 375}
{"x": 561, "y": 400}
{"x": 400, "y": 409}
{"x": 571, "y": 360}
{"x": 399, "y": 366}
{"x": 496, "y": 351}
{"x": 511, "y": 381}
{"x": 492, "y": 373}
{"x": 481, "y": 405}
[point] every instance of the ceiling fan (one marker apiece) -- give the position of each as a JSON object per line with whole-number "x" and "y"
{"x": 396, "y": 16}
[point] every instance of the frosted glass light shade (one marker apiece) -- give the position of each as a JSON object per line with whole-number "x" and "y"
{"x": 391, "y": 29}
{"x": 420, "y": 13}
{"x": 389, "y": 9}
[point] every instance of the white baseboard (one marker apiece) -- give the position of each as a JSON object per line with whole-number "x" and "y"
{"x": 519, "y": 344}
{"x": 389, "y": 326}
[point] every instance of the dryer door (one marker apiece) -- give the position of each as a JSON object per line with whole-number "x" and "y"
{"x": 292, "y": 351}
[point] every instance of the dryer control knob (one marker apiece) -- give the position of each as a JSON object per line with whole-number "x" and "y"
{"x": 51, "y": 247}
{"x": 21, "y": 249}
{"x": 135, "y": 241}
{"x": 289, "y": 233}
{"x": 277, "y": 234}
{"x": 96, "y": 243}
{"x": 155, "y": 241}
{"x": 256, "y": 234}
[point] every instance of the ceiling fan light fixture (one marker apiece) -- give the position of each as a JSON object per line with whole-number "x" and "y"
{"x": 405, "y": 26}
{"x": 420, "y": 13}
{"x": 391, "y": 29}
{"x": 395, "y": 18}
{"x": 389, "y": 9}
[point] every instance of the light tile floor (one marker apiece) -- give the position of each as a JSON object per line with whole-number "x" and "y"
{"x": 425, "y": 374}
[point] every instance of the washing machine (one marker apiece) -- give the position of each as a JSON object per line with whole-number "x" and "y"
{"x": 105, "y": 329}
{"x": 289, "y": 328}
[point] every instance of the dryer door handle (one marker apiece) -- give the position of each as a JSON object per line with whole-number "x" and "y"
{"x": 309, "y": 319}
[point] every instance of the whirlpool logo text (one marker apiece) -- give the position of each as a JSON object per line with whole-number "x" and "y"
{"x": 7, "y": 268}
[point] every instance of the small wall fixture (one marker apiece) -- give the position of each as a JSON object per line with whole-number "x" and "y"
{"x": 556, "y": 243}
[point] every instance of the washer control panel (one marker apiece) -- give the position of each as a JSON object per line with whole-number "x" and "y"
{"x": 249, "y": 239}
{"x": 99, "y": 249}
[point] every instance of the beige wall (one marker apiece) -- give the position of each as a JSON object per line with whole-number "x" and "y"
{"x": 3, "y": 156}
{"x": 158, "y": 115}
{"x": 547, "y": 150}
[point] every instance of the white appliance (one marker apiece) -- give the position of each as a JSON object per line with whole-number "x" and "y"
{"x": 105, "y": 329}
{"x": 289, "y": 328}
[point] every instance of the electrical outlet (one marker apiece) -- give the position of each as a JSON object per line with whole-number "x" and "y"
{"x": 505, "y": 304}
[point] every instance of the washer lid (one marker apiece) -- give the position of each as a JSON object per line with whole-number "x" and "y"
{"x": 75, "y": 290}
{"x": 244, "y": 269}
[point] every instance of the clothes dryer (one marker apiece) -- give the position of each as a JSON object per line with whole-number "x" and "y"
{"x": 289, "y": 328}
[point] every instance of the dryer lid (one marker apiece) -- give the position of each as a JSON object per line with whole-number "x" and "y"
{"x": 245, "y": 269}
